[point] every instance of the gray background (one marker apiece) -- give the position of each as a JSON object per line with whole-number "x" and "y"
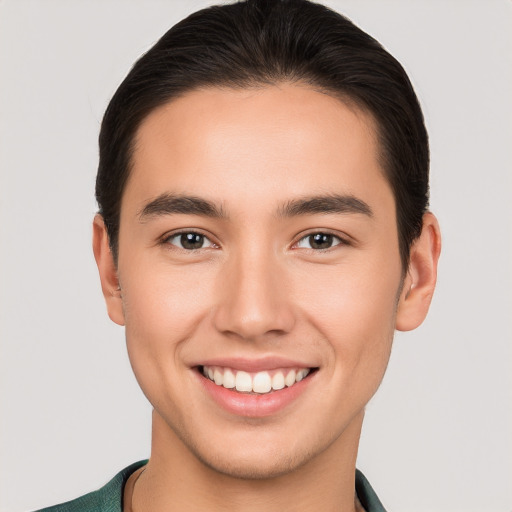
{"x": 438, "y": 435}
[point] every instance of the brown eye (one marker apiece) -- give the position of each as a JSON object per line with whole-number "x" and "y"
{"x": 319, "y": 241}
{"x": 189, "y": 241}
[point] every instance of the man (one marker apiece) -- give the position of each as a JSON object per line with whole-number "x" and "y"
{"x": 263, "y": 229}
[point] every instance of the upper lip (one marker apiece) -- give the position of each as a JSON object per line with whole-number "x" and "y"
{"x": 254, "y": 364}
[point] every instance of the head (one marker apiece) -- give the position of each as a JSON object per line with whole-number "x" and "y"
{"x": 263, "y": 185}
{"x": 260, "y": 43}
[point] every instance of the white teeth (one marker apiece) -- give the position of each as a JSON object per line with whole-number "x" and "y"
{"x": 278, "y": 381}
{"x": 300, "y": 375}
{"x": 261, "y": 382}
{"x": 305, "y": 373}
{"x": 229, "y": 379}
{"x": 218, "y": 377}
{"x": 290, "y": 378}
{"x": 243, "y": 382}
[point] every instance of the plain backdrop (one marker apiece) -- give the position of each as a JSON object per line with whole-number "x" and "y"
{"x": 438, "y": 434}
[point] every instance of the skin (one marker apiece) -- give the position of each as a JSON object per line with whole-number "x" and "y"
{"x": 259, "y": 290}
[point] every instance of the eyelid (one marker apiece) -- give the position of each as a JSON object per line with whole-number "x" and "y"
{"x": 343, "y": 239}
{"x": 164, "y": 239}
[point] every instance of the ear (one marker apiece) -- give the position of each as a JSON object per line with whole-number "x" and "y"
{"x": 421, "y": 277}
{"x": 108, "y": 271}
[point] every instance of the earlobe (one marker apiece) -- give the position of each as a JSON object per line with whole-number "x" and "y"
{"x": 420, "y": 281}
{"x": 107, "y": 270}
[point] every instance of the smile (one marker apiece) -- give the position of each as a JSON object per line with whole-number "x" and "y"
{"x": 258, "y": 383}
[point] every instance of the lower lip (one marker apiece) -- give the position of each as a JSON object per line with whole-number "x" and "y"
{"x": 254, "y": 405}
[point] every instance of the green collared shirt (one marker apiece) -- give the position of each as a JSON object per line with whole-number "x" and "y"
{"x": 110, "y": 497}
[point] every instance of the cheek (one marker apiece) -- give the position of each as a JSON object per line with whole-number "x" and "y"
{"x": 162, "y": 309}
{"x": 354, "y": 309}
{"x": 163, "y": 303}
{"x": 352, "y": 296}
{"x": 357, "y": 321}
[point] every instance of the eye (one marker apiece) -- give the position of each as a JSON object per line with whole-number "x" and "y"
{"x": 319, "y": 241}
{"x": 189, "y": 241}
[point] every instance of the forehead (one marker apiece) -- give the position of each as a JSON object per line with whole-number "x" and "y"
{"x": 260, "y": 145}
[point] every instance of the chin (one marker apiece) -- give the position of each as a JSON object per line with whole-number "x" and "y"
{"x": 260, "y": 454}
{"x": 252, "y": 466}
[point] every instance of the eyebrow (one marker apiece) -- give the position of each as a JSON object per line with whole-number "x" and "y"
{"x": 167, "y": 204}
{"x": 332, "y": 203}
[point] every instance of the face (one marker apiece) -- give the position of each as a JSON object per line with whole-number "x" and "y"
{"x": 259, "y": 273}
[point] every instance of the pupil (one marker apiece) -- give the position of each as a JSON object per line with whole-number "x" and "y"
{"x": 320, "y": 241}
{"x": 192, "y": 240}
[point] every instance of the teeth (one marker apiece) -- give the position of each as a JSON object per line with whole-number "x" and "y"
{"x": 260, "y": 382}
{"x": 243, "y": 381}
{"x": 289, "y": 380}
{"x": 229, "y": 379}
{"x": 218, "y": 377}
{"x": 300, "y": 375}
{"x": 278, "y": 381}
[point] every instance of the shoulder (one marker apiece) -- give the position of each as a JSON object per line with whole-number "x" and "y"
{"x": 106, "y": 499}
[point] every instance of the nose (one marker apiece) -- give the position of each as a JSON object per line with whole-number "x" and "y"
{"x": 255, "y": 302}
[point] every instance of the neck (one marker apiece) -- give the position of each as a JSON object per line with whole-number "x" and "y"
{"x": 175, "y": 479}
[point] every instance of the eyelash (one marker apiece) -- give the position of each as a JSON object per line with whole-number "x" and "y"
{"x": 336, "y": 239}
{"x": 331, "y": 237}
{"x": 166, "y": 240}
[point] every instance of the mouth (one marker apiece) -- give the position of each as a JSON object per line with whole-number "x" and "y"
{"x": 255, "y": 383}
